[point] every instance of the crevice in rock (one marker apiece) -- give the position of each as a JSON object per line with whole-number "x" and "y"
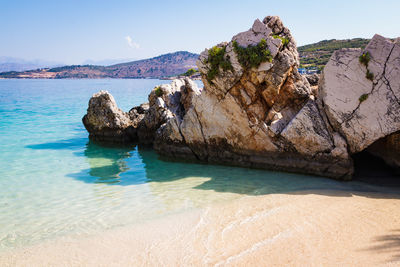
{"x": 186, "y": 143}
{"x": 386, "y": 80}
{"x": 374, "y": 84}
{"x": 330, "y": 127}
{"x": 202, "y": 133}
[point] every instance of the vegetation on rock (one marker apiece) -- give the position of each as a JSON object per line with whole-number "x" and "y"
{"x": 363, "y": 97}
{"x": 365, "y": 58}
{"x": 216, "y": 59}
{"x": 158, "y": 91}
{"x": 285, "y": 41}
{"x": 369, "y": 75}
{"x": 252, "y": 56}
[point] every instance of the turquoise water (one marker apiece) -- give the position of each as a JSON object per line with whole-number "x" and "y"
{"x": 55, "y": 182}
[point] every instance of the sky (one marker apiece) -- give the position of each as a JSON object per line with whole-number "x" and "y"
{"x": 72, "y": 31}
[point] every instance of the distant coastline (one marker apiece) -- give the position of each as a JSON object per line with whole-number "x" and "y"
{"x": 164, "y": 66}
{"x": 313, "y": 58}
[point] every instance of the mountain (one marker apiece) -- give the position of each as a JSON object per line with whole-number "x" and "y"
{"x": 161, "y": 66}
{"x": 317, "y": 55}
{"x": 18, "y": 64}
{"x": 311, "y": 56}
{"x": 157, "y": 67}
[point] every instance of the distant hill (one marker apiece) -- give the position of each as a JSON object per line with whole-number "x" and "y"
{"x": 157, "y": 67}
{"x": 318, "y": 54}
{"x": 311, "y": 56}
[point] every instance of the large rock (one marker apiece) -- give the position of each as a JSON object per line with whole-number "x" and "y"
{"x": 105, "y": 121}
{"x": 265, "y": 114}
{"x": 363, "y": 110}
{"x": 260, "y": 116}
{"x": 388, "y": 148}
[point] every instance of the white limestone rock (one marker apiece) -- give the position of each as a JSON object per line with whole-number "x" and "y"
{"x": 307, "y": 131}
{"x": 362, "y": 110}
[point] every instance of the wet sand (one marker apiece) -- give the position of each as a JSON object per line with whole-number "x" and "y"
{"x": 312, "y": 228}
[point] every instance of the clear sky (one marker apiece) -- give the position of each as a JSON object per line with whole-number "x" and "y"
{"x": 72, "y": 31}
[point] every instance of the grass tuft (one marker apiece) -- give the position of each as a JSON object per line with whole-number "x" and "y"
{"x": 285, "y": 41}
{"x": 252, "y": 56}
{"x": 365, "y": 58}
{"x": 363, "y": 97}
{"x": 216, "y": 59}
{"x": 369, "y": 75}
{"x": 158, "y": 91}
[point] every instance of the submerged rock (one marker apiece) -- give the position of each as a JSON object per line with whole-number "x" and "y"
{"x": 256, "y": 110}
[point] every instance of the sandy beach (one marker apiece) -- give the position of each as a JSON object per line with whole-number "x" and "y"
{"x": 312, "y": 228}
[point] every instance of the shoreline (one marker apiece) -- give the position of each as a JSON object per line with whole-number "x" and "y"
{"x": 327, "y": 228}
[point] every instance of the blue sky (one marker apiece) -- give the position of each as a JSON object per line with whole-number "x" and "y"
{"x": 74, "y": 31}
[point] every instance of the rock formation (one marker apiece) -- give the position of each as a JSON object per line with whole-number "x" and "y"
{"x": 363, "y": 110}
{"x": 388, "y": 149}
{"x": 360, "y": 93}
{"x": 312, "y": 79}
{"x": 261, "y": 115}
{"x": 105, "y": 121}
{"x": 256, "y": 109}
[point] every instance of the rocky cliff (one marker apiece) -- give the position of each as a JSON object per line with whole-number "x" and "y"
{"x": 256, "y": 110}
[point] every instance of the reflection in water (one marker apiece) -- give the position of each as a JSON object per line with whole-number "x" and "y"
{"x": 181, "y": 185}
{"x": 124, "y": 165}
{"x": 107, "y": 163}
{"x": 222, "y": 178}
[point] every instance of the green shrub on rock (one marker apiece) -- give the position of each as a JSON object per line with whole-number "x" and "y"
{"x": 285, "y": 41}
{"x": 158, "y": 91}
{"x": 252, "y": 56}
{"x": 365, "y": 58}
{"x": 363, "y": 97}
{"x": 369, "y": 75}
{"x": 216, "y": 59}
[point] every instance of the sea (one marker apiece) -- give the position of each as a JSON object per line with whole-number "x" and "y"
{"x": 55, "y": 182}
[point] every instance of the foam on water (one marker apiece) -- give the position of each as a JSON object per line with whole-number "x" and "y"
{"x": 55, "y": 182}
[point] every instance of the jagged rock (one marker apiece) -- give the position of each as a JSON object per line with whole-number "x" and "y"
{"x": 267, "y": 115}
{"x": 105, "y": 121}
{"x": 312, "y": 79}
{"x": 363, "y": 110}
{"x": 307, "y": 131}
{"x": 263, "y": 116}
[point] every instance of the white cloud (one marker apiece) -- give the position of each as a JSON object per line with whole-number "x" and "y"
{"x": 131, "y": 43}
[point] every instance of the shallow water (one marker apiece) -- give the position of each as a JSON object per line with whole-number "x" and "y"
{"x": 55, "y": 182}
